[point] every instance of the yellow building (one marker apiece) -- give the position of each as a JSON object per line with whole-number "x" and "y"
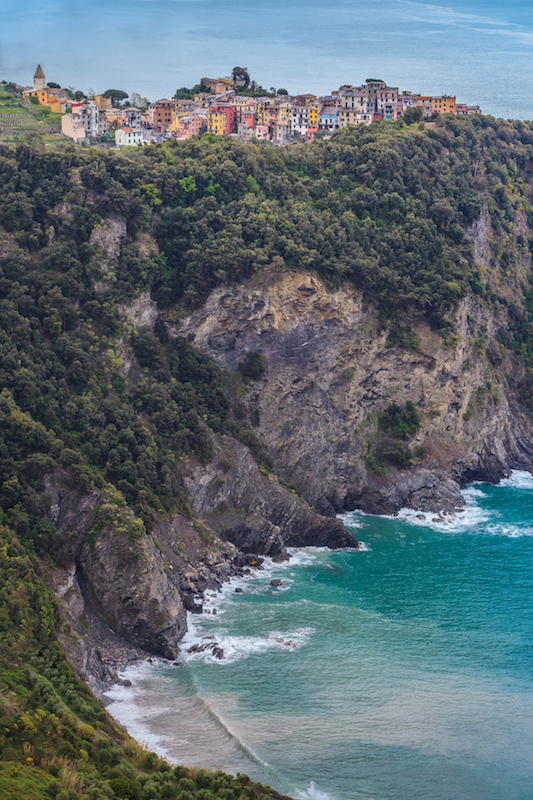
{"x": 285, "y": 114}
{"x": 242, "y": 103}
{"x": 99, "y": 100}
{"x": 116, "y": 115}
{"x": 216, "y": 123}
{"x": 314, "y": 111}
{"x": 443, "y": 105}
{"x": 42, "y": 95}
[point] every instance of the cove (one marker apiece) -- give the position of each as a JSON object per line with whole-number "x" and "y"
{"x": 400, "y": 672}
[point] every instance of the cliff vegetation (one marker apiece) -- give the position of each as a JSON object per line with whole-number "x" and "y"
{"x": 108, "y": 380}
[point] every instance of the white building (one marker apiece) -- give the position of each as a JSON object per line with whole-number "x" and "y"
{"x": 126, "y": 136}
{"x": 90, "y": 117}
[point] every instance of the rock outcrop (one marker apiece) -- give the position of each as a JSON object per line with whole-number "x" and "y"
{"x": 125, "y": 593}
{"x": 124, "y": 576}
{"x": 330, "y": 368}
{"x": 255, "y": 512}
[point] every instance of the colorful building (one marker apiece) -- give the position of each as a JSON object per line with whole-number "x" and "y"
{"x": 328, "y": 119}
{"x": 221, "y": 119}
{"x": 161, "y": 113}
{"x": 125, "y": 137}
{"x": 443, "y": 104}
{"x": 187, "y": 124}
{"x": 314, "y": 111}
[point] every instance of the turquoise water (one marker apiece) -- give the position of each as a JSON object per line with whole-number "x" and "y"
{"x": 477, "y": 49}
{"x": 402, "y": 672}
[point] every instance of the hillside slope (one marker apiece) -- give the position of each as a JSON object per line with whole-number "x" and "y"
{"x": 207, "y": 351}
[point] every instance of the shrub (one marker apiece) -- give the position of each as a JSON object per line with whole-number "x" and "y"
{"x": 253, "y": 366}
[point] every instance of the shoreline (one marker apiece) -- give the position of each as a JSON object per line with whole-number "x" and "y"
{"x": 200, "y": 644}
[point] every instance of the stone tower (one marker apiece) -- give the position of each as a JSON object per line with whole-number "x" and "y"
{"x": 39, "y": 81}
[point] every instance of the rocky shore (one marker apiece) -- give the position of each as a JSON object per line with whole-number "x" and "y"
{"x": 97, "y": 652}
{"x": 330, "y": 369}
{"x": 124, "y": 597}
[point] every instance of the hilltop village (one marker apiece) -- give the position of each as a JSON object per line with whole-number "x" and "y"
{"x": 233, "y": 106}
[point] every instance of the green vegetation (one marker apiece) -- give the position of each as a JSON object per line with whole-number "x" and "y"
{"x": 395, "y": 425}
{"x": 56, "y": 739}
{"x": 253, "y": 366}
{"x": 18, "y": 118}
{"x": 386, "y": 207}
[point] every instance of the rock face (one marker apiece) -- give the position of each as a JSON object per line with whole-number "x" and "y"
{"x": 134, "y": 592}
{"x": 254, "y": 512}
{"x": 330, "y": 369}
{"x": 125, "y": 578}
{"x": 125, "y": 589}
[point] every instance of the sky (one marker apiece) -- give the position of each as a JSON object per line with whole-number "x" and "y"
{"x": 478, "y": 51}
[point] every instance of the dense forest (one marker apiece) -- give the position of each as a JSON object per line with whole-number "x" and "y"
{"x": 387, "y": 207}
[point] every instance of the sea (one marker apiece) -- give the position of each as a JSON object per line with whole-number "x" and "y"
{"x": 399, "y": 671}
{"x": 478, "y": 50}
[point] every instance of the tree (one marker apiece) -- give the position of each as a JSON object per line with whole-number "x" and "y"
{"x": 413, "y": 114}
{"x": 240, "y": 76}
{"x": 116, "y": 95}
{"x": 282, "y": 91}
{"x": 52, "y": 85}
{"x": 139, "y": 101}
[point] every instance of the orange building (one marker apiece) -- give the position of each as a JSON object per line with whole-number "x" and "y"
{"x": 443, "y": 104}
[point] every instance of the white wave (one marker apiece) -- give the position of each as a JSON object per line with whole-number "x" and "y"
{"x": 470, "y": 517}
{"x": 216, "y": 599}
{"x": 238, "y": 647}
{"x": 314, "y": 793}
{"x": 363, "y": 547}
{"x": 352, "y": 518}
{"x": 510, "y": 531}
{"x": 518, "y": 479}
{"x": 472, "y": 492}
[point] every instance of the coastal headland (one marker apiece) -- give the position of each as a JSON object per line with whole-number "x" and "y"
{"x": 210, "y": 350}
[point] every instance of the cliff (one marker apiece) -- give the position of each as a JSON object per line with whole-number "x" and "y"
{"x": 124, "y": 593}
{"x": 331, "y": 367}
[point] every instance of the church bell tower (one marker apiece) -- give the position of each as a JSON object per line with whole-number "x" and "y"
{"x": 39, "y": 81}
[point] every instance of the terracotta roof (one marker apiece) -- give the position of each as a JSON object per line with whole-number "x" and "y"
{"x": 38, "y": 72}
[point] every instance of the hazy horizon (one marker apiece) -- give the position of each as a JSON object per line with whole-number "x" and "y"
{"x": 480, "y": 52}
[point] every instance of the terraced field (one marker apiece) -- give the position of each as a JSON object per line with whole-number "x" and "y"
{"x": 9, "y": 118}
{"x": 17, "y": 120}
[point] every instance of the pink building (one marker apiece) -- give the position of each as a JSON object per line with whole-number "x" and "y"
{"x": 262, "y": 132}
{"x": 190, "y": 124}
{"x": 248, "y": 118}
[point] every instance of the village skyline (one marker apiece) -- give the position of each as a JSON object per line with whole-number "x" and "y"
{"x": 233, "y": 105}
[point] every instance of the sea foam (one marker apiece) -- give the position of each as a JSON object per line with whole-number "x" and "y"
{"x": 469, "y": 517}
{"x": 518, "y": 479}
{"x": 317, "y": 794}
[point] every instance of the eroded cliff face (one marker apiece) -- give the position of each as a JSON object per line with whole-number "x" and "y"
{"x": 330, "y": 369}
{"x": 124, "y": 593}
{"x": 122, "y": 576}
{"x": 253, "y": 511}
